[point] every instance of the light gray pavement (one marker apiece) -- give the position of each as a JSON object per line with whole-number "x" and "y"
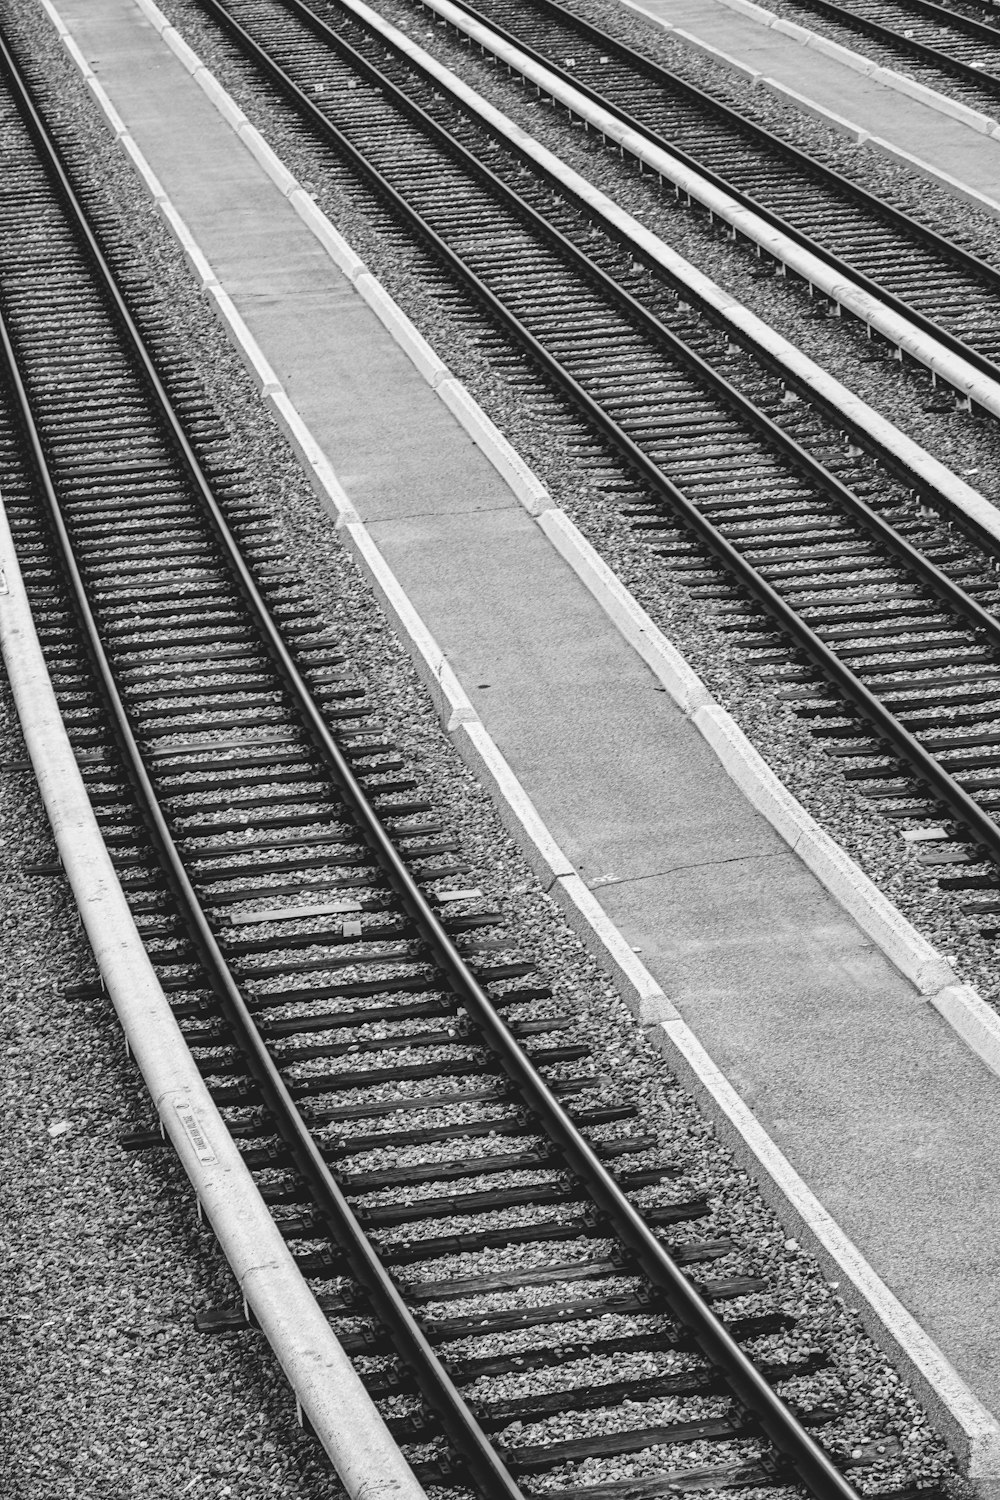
{"x": 949, "y": 145}
{"x": 891, "y": 1122}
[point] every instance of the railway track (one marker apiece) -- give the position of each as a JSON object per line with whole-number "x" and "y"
{"x": 702, "y": 451}
{"x": 517, "y": 1267}
{"x": 951, "y": 46}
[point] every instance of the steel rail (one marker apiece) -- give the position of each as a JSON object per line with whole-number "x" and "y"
{"x": 968, "y": 262}
{"x": 944, "y": 14}
{"x": 984, "y": 831}
{"x": 482, "y": 1458}
{"x": 926, "y": 51}
{"x": 799, "y": 1450}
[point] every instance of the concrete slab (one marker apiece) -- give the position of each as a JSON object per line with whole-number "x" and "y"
{"x": 805, "y": 1031}
{"x": 888, "y": 1118}
{"x": 625, "y": 784}
{"x": 947, "y": 144}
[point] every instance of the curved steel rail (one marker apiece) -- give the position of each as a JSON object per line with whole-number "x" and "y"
{"x": 799, "y": 1451}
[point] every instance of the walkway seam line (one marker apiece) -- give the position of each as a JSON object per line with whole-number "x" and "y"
{"x": 972, "y": 1430}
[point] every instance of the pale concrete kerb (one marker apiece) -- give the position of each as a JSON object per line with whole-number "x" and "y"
{"x": 924, "y": 168}
{"x": 325, "y": 1383}
{"x": 200, "y": 268}
{"x": 114, "y": 119}
{"x": 220, "y": 99}
{"x": 430, "y": 364}
{"x": 452, "y": 704}
{"x": 517, "y": 811}
{"x": 242, "y": 340}
{"x": 154, "y": 15}
{"x": 968, "y": 1014}
{"x": 660, "y": 655}
{"x": 970, "y": 1428}
{"x": 332, "y": 242}
{"x": 911, "y": 953}
{"x": 807, "y": 106}
{"x": 262, "y": 153}
{"x": 154, "y": 186}
{"x": 502, "y": 454}
{"x": 188, "y": 59}
{"x": 733, "y": 64}
{"x": 643, "y": 996}
{"x": 315, "y": 462}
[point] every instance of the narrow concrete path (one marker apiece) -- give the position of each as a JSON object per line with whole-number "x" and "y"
{"x": 892, "y": 1123}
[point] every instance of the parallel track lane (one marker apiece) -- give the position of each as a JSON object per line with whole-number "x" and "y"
{"x": 143, "y": 665}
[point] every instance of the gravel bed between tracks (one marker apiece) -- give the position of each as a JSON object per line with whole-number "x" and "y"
{"x": 970, "y": 445}
{"x": 880, "y": 1406}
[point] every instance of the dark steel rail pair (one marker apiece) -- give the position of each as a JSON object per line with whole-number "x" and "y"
{"x": 982, "y": 829}
{"x": 800, "y": 1453}
{"x": 757, "y": 138}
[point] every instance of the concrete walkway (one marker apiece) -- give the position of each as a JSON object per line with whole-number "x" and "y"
{"x": 891, "y": 1122}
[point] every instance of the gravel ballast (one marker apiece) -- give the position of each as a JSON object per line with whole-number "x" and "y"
{"x": 880, "y": 1407}
{"x": 108, "y": 1391}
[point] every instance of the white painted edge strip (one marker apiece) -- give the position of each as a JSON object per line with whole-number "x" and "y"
{"x": 856, "y": 61}
{"x": 323, "y": 1379}
{"x": 922, "y": 347}
{"x": 972, "y": 1430}
{"x": 326, "y": 1386}
{"x": 857, "y": 133}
